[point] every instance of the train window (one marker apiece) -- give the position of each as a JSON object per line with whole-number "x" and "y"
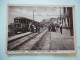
{"x": 20, "y": 21}
{"x": 24, "y": 21}
{"x": 16, "y": 20}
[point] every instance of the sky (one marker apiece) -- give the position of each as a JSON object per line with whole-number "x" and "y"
{"x": 40, "y": 12}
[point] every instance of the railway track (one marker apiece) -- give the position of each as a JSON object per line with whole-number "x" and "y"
{"x": 31, "y": 43}
{"x": 13, "y": 38}
{"x": 16, "y": 43}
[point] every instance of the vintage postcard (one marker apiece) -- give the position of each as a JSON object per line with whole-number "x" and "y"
{"x": 41, "y": 29}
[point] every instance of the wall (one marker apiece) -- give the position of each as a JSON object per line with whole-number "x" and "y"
{"x": 3, "y": 15}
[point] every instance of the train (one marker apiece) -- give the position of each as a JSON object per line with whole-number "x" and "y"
{"x": 22, "y": 24}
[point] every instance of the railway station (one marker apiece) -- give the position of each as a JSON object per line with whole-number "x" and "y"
{"x": 51, "y": 33}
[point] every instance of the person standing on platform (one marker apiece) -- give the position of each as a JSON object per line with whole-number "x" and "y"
{"x": 29, "y": 28}
{"x": 34, "y": 28}
{"x": 49, "y": 28}
{"x": 61, "y": 28}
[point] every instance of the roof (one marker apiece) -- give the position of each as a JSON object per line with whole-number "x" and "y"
{"x": 25, "y": 18}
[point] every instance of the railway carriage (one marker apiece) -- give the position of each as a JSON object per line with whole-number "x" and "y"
{"x": 21, "y": 24}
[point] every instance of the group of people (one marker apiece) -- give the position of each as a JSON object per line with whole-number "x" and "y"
{"x": 55, "y": 27}
{"x": 52, "y": 27}
{"x": 33, "y": 28}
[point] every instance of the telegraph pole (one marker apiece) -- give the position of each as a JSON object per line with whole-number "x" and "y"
{"x": 60, "y": 14}
{"x": 33, "y": 14}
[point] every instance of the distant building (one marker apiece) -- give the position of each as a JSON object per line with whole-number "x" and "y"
{"x": 53, "y": 20}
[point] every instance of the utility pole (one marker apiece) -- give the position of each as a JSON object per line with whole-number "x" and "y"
{"x": 60, "y": 14}
{"x": 71, "y": 20}
{"x": 33, "y": 14}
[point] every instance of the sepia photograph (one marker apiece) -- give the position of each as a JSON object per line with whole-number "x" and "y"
{"x": 40, "y": 29}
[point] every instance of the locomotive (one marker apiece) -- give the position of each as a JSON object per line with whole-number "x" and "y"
{"x": 21, "y": 24}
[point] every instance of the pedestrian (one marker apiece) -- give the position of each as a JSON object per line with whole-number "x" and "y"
{"x": 61, "y": 28}
{"x": 29, "y": 28}
{"x": 38, "y": 29}
{"x": 57, "y": 27}
{"x": 49, "y": 27}
{"x": 34, "y": 28}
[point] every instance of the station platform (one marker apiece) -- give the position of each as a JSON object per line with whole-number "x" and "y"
{"x": 18, "y": 36}
{"x": 21, "y": 35}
